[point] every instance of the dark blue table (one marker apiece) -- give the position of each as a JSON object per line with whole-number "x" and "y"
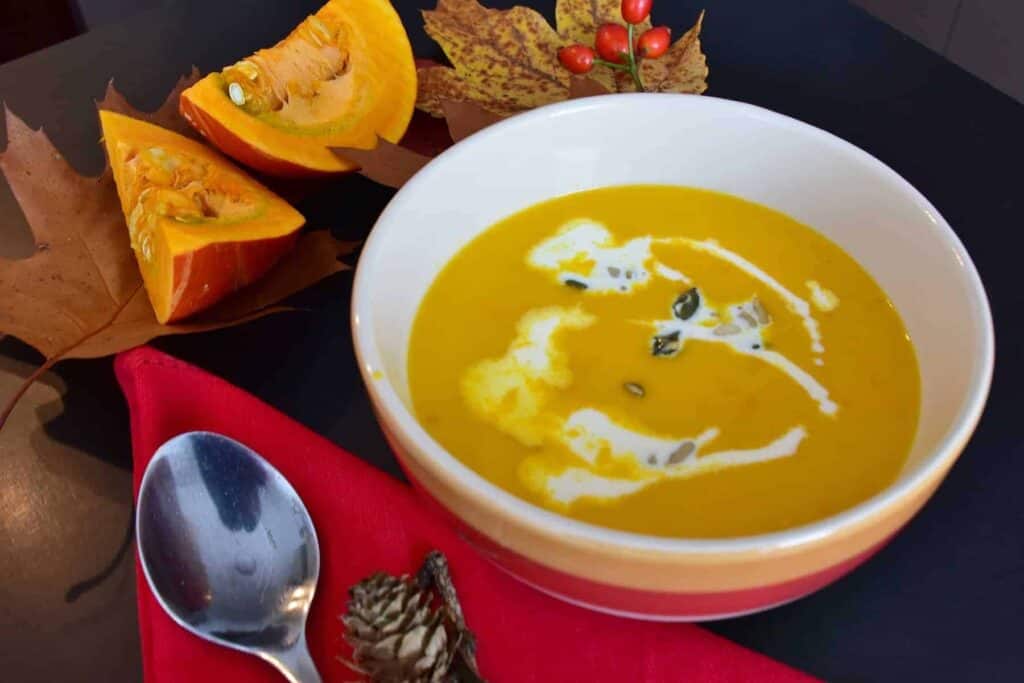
{"x": 941, "y": 603}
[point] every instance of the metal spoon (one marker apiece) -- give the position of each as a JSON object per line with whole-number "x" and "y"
{"x": 229, "y": 550}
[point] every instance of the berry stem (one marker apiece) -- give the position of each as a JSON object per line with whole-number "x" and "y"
{"x": 611, "y": 65}
{"x": 633, "y": 67}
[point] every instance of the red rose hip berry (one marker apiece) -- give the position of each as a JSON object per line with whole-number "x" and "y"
{"x": 579, "y": 59}
{"x": 635, "y": 11}
{"x": 612, "y": 43}
{"x": 654, "y": 42}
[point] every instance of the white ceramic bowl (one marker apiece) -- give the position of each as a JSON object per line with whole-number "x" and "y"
{"x": 813, "y": 176}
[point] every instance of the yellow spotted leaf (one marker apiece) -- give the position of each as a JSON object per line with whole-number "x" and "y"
{"x": 682, "y": 69}
{"x": 578, "y": 19}
{"x": 507, "y": 60}
{"x": 577, "y": 22}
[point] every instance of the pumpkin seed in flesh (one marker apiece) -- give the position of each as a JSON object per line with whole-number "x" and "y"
{"x": 236, "y": 94}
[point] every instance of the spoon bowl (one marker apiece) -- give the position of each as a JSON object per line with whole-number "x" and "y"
{"x": 228, "y": 549}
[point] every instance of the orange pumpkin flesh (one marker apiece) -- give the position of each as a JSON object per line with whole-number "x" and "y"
{"x": 344, "y": 76}
{"x": 200, "y": 227}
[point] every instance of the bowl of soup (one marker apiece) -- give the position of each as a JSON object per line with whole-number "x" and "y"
{"x": 670, "y": 357}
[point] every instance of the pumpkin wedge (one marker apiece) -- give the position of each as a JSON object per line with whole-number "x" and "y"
{"x": 343, "y": 77}
{"x": 200, "y": 227}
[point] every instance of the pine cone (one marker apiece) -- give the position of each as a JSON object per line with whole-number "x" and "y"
{"x": 396, "y": 634}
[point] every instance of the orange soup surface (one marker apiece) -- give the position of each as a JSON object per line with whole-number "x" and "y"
{"x": 668, "y": 361}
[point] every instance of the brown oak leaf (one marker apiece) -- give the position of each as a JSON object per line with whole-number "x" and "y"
{"x": 507, "y": 60}
{"x": 80, "y": 295}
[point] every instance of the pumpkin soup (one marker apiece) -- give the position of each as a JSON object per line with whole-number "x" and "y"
{"x": 668, "y": 361}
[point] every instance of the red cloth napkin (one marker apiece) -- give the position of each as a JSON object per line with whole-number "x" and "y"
{"x": 368, "y": 521}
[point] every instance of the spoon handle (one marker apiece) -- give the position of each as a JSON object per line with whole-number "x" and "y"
{"x": 295, "y": 663}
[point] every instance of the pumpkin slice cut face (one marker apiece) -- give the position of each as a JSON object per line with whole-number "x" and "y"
{"x": 343, "y": 77}
{"x": 200, "y": 227}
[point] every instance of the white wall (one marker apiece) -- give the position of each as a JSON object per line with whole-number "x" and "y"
{"x": 982, "y": 36}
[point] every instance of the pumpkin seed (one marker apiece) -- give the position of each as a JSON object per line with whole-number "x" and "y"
{"x": 687, "y": 304}
{"x": 613, "y": 271}
{"x": 575, "y": 284}
{"x": 665, "y": 344}
{"x": 135, "y": 216}
{"x": 652, "y": 459}
{"x": 635, "y": 389}
{"x": 748, "y": 319}
{"x": 726, "y": 330}
{"x": 146, "y": 246}
{"x": 760, "y": 311}
{"x": 680, "y": 454}
{"x": 321, "y": 28}
{"x": 248, "y": 69}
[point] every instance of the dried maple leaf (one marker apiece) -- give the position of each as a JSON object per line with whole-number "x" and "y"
{"x": 578, "y": 20}
{"x": 166, "y": 116}
{"x": 683, "y": 69}
{"x": 506, "y": 60}
{"x": 392, "y": 165}
{"x": 467, "y": 117}
{"x": 584, "y": 86}
{"x": 80, "y": 294}
{"x": 387, "y": 163}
